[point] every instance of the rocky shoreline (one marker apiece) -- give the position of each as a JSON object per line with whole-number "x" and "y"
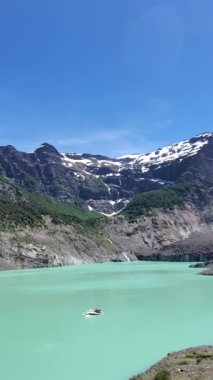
{"x": 208, "y": 268}
{"x": 5, "y": 265}
{"x": 208, "y": 271}
{"x": 67, "y": 245}
{"x": 195, "y": 363}
{"x": 180, "y": 235}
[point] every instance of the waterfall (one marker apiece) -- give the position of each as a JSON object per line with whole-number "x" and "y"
{"x": 126, "y": 257}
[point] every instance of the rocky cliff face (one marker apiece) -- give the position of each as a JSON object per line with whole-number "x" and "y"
{"x": 181, "y": 234}
{"x": 55, "y": 246}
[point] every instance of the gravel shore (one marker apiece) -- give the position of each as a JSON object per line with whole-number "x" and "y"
{"x": 194, "y": 363}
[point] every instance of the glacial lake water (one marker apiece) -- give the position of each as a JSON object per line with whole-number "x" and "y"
{"x": 149, "y": 309}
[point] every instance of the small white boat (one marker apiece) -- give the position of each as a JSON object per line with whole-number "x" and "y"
{"x": 92, "y": 312}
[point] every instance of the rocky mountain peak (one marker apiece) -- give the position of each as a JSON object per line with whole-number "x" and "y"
{"x": 46, "y": 148}
{"x": 8, "y": 149}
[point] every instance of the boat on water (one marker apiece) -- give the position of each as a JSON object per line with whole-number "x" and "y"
{"x": 92, "y": 312}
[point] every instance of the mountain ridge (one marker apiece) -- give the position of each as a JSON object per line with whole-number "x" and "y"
{"x": 101, "y": 183}
{"x": 49, "y": 203}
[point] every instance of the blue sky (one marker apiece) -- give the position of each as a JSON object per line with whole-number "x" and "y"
{"x": 105, "y": 76}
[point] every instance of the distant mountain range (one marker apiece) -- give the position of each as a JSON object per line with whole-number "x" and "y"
{"x": 104, "y": 184}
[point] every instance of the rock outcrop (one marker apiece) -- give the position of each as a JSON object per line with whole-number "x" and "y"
{"x": 181, "y": 234}
{"x": 56, "y": 245}
{"x": 194, "y": 363}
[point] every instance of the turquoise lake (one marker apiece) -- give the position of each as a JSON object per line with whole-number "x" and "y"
{"x": 149, "y": 309}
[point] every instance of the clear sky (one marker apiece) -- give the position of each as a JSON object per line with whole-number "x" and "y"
{"x": 105, "y": 76}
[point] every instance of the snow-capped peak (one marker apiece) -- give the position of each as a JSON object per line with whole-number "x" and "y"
{"x": 104, "y": 167}
{"x": 169, "y": 153}
{"x": 205, "y": 134}
{"x": 122, "y": 177}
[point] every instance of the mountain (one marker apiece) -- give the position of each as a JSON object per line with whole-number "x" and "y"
{"x": 63, "y": 208}
{"x": 104, "y": 184}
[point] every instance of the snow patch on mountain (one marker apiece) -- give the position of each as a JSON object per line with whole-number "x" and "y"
{"x": 169, "y": 153}
{"x": 115, "y": 173}
{"x": 144, "y": 161}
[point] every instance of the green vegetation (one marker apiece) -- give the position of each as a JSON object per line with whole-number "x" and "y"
{"x": 62, "y": 212}
{"x": 183, "y": 362}
{"x": 199, "y": 356}
{"x": 12, "y": 215}
{"x": 166, "y": 198}
{"x": 102, "y": 187}
{"x": 163, "y": 374}
{"x": 90, "y": 183}
{"x": 29, "y": 180}
{"x": 31, "y": 212}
